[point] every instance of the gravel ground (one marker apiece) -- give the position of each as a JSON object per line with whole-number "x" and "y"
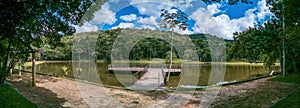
{"x": 55, "y": 92}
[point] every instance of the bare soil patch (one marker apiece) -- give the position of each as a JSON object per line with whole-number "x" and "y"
{"x": 61, "y": 92}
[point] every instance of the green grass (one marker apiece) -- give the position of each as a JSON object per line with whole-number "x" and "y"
{"x": 290, "y": 78}
{"x": 9, "y": 98}
{"x": 260, "y": 97}
{"x": 293, "y": 100}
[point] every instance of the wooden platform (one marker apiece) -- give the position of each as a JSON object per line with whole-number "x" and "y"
{"x": 139, "y": 69}
{"x": 152, "y": 79}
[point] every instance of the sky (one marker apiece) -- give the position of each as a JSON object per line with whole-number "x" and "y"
{"x": 220, "y": 19}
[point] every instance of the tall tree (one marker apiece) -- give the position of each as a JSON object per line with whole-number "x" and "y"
{"x": 288, "y": 14}
{"x": 171, "y": 20}
{"x": 277, "y": 38}
{"x": 23, "y": 23}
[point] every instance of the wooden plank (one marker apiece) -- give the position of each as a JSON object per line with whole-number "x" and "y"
{"x": 151, "y": 80}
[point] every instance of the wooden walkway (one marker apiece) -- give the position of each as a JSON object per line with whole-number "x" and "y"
{"x": 138, "y": 69}
{"x": 152, "y": 79}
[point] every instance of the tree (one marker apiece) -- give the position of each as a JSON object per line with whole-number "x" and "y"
{"x": 23, "y": 23}
{"x": 288, "y": 14}
{"x": 172, "y": 20}
{"x": 277, "y": 38}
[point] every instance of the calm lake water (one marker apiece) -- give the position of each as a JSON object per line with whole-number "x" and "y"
{"x": 232, "y": 73}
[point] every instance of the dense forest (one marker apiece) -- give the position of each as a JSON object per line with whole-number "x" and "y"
{"x": 27, "y": 26}
{"x": 145, "y": 49}
{"x": 277, "y": 40}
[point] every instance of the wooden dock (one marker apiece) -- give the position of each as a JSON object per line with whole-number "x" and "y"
{"x": 139, "y": 69}
{"x": 152, "y": 79}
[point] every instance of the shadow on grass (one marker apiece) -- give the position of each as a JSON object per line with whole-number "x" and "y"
{"x": 44, "y": 98}
{"x": 292, "y": 100}
{"x": 10, "y": 98}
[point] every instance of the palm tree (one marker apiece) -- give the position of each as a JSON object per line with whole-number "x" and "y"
{"x": 171, "y": 20}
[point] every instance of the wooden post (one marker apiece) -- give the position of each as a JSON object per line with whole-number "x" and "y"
{"x": 20, "y": 67}
{"x": 10, "y": 71}
{"x": 11, "y": 68}
{"x": 33, "y": 68}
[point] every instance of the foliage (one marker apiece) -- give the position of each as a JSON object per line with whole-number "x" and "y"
{"x": 10, "y": 98}
{"x": 288, "y": 14}
{"x": 290, "y": 78}
{"x": 168, "y": 55}
{"x": 171, "y": 20}
{"x": 256, "y": 44}
{"x": 23, "y": 23}
{"x": 145, "y": 49}
{"x": 65, "y": 70}
{"x": 265, "y": 43}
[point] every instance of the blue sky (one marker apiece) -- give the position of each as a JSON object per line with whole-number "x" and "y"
{"x": 220, "y": 19}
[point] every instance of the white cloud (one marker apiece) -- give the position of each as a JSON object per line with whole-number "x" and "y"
{"x": 148, "y": 27}
{"x": 204, "y": 22}
{"x": 104, "y": 15}
{"x": 148, "y": 21}
{"x": 124, "y": 25}
{"x": 151, "y": 9}
{"x": 130, "y": 17}
{"x": 86, "y": 27}
{"x": 222, "y": 25}
{"x": 160, "y": 4}
{"x": 214, "y": 8}
{"x": 263, "y": 10}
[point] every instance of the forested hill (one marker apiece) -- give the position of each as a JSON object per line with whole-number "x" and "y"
{"x": 152, "y": 46}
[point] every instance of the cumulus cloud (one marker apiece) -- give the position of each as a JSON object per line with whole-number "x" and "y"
{"x": 124, "y": 25}
{"x": 148, "y": 21}
{"x": 104, "y": 15}
{"x": 222, "y": 25}
{"x": 148, "y": 27}
{"x": 263, "y": 10}
{"x": 146, "y": 6}
{"x": 130, "y": 17}
{"x": 151, "y": 9}
{"x": 86, "y": 27}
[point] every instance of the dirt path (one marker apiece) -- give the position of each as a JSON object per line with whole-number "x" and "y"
{"x": 60, "y": 92}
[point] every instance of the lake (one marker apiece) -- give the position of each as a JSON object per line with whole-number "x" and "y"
{"x": 232, "y": 73}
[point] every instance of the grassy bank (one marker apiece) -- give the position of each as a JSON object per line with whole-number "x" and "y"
{"x": 9, "y": 98}
{"x": 293, "y": 99}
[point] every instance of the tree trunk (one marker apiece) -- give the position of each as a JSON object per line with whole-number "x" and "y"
{"x": 33, "y": 68}
{"x": 281, "y": 66}
{"x": 283, "y": 46}
{"x": 20, "y": 68}
{"x": 171, "y": 55}
{"x": 4, "y": 70}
